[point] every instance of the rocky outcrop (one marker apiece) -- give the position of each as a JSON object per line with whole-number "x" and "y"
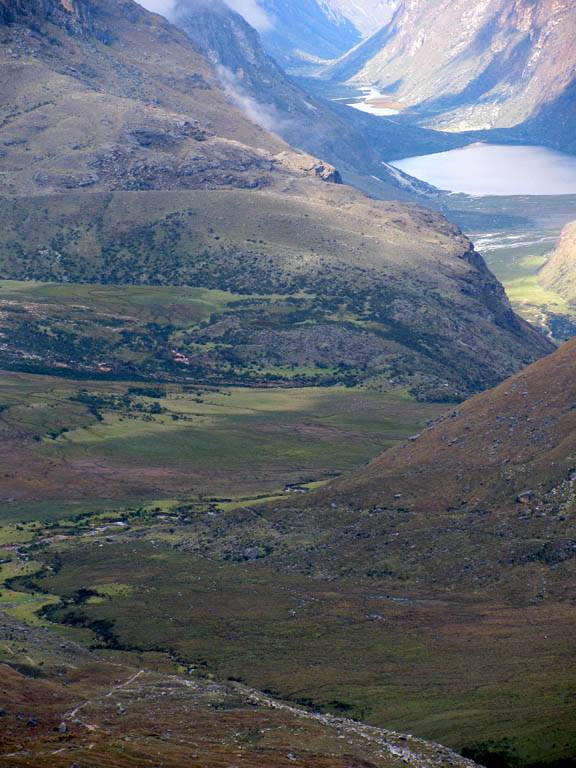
{"x": 76, "y": 16}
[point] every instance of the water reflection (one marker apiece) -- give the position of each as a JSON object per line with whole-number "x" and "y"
{"x": 493, "y": 169}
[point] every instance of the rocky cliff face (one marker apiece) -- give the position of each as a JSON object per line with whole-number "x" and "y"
{"x": 559, "y": 272}
{"x": 78, "y": 17}
{"x": 467, "y": 66}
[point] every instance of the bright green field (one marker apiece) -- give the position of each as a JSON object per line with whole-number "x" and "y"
{"x": 220, "y": 442}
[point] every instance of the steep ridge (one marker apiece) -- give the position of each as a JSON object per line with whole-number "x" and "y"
{"x": 491, "y": 65}
{"x": 559, "y": 272}
{"x": 553, "y": 125}
{"x": 82, "y": 117}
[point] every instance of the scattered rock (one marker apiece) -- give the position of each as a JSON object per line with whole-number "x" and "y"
{"x": 524, "y": 497}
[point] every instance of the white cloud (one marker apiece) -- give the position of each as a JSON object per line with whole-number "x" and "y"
{"x": 251, "y": 10}
{"x": 264, "y": 115}
{"x": 163, "y": 7}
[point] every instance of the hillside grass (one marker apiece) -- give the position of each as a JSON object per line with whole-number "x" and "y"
{"x": 519, "y": 232}
{"x": 458, "y": 670}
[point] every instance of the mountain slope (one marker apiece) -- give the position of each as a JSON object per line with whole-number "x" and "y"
{"x": 559, "y": 272}
{"x": 431, "y": 590}
{"x": 303, "y": 33}
{"x": 63, "y": 704}
{"x": 300, "y": 34}
{"x": 83, "y": 119}
{"x": 257, "y": 85}
{"x": 462, "y": 67}
{"x": 82, "y": 113}
{"x": 483, "y": 498}
{"x": 366, "y": 15}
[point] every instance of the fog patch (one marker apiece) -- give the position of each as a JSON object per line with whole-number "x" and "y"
{"x": 254, "y": 14}
{"x": 264, "y": 115}
{"x": 163, "y": 7}
{"x": 251, "y": 10}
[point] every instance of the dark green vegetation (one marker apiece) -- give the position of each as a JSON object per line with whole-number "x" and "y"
{"x": 349, "y": 289}
{"x": 457, "y": 669}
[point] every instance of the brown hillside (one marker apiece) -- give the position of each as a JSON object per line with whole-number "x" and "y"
{"x": 483, "y": 497}
{"x": 64, "y": 706}
{"x": 520, "y": 435}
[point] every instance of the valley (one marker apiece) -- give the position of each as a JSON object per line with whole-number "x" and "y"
{"x": 134, "y": 440}
{"x": 515, "y": 235}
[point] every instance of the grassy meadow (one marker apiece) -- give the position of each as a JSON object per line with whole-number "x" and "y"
{"x": 122, "y": 440}
{"x": 458, "y": 670}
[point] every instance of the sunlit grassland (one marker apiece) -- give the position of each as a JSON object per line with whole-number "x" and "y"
{"x": 222, "y": 442}
{"x": 333, "y": 429}
{"x": 149, "y": 303}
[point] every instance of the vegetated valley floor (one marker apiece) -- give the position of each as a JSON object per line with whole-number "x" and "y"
{"x": 514, "y": 234}
{"x": 133, "y": 470}
{"x": 138, "y": 576}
